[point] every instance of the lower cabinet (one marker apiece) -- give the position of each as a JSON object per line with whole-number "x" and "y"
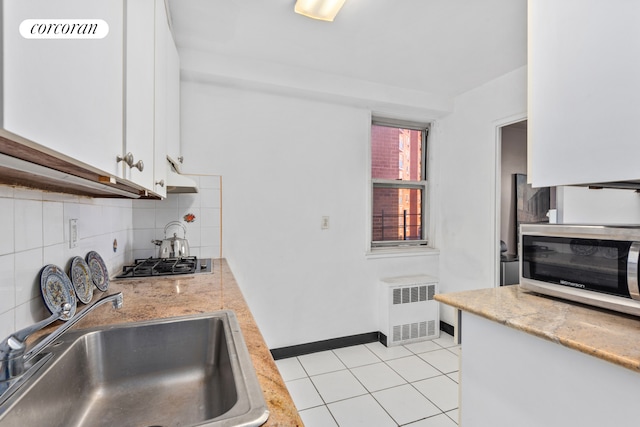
{"x": 511, "y": 378}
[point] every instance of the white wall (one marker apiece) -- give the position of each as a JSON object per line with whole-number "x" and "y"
{"x": 150, "y": 217}
{"x": 466, "y": 160}
{"x": 285, "y": 163}
{"x": 35, "y": 232}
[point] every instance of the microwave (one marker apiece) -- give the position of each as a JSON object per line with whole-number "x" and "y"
{"x": 590, "y": 264}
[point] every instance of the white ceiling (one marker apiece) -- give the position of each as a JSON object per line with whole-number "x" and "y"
{"x": 442, "y": 47}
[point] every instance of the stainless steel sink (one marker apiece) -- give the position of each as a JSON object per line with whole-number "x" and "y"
{"x": 184, "y": 371}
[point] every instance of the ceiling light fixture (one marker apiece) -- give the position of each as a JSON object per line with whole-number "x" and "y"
{"x": 324, "y": 10}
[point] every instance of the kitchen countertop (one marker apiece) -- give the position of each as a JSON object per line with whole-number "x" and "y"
{"x": 600, "y": 333}
{"x": 161, "y": 297}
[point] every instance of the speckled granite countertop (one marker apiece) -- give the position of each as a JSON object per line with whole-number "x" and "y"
{"x": 604, "y": 334}
{"x": 152, "y": 298}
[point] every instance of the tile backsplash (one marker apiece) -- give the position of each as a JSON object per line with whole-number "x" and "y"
{"x": 34, "y": 226}
{"x": 203, "y": 234}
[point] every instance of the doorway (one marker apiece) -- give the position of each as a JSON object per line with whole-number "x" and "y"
{"x": 513, "y": 161}
{"x": 517, "y": 201}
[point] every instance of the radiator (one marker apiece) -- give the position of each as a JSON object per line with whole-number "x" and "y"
{"x": 408, "y": 312}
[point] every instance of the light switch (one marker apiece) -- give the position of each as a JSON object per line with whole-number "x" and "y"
{"x": 325, "y": 223}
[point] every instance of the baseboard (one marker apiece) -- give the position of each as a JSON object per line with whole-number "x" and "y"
{"x": 335, "y": 343}
{"x": 331, "y": 344}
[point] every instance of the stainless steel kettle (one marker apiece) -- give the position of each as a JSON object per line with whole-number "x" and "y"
{"x": 173, "y": 247}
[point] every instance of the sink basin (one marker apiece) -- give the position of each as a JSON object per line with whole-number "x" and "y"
{"x": 182, "y": 371}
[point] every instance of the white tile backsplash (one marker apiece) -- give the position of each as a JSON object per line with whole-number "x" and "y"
{"x": 7, "y": 323}
{"x": 144, "y": 236}
{"x": 35, "y": 229}
{"x": 214, "y": 251}
{"x": 165, "y": 215}
{"x": 6, "y": 224}
{"x": 52, "y": 216}
{"x": 6, "y": 191}
{"x": 7, "y": 289}
{"x": 194, "y": 234}
{"x": 28, "y": 313}
{"x": 27, "y": 194}
{"x": 27, "y": 270}
{"x": 189, "y": 201}
{"x": 203, "y": 234}
{"x": 210, "y": 217}
{"x": 58, "y": 255}
{"x": 210, "y": 198}
{"x": 144, "y": 217}
{"x": 28, "y": 224}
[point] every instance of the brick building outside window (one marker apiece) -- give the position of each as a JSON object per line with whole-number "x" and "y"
{"x": 398, "y": 172}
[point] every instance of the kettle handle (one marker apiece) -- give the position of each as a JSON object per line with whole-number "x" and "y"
{"x": 172, "y": 223}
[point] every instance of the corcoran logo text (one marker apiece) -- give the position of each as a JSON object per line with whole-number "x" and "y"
{"x": 64, "y": 29}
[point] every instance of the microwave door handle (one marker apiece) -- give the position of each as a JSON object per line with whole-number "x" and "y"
{"x": 632, "y": 270}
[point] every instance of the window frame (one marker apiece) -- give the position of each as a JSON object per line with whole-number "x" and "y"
{"x": 399, "y": 184}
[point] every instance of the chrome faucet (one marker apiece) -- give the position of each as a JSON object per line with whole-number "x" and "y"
{"x": 14, "y": 359}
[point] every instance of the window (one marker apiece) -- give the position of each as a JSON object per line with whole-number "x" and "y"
{"x": 398, "y": 194}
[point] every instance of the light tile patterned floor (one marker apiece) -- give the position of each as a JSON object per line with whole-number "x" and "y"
{"x": 413, "y": 385}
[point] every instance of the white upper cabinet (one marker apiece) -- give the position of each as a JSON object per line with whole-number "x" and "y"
{"x": 163, "y": 39}
{"x": 173, "y": 101}
{"x": 584, "y": 86}
{"x": 105, "y": 105}
{"x": 139, "y": 106}
{"x": 65, "y": 95}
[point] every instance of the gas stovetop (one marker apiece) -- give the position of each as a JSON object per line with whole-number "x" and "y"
{"x": 150, "y": 267}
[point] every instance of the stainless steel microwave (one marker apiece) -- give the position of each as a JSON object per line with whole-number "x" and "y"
{"x": 595, "y": 265}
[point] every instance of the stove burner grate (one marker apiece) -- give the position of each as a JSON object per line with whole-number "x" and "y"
{"x": 149, "y": 267}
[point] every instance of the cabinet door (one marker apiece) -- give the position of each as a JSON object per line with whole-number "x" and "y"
{"x": 173, "y": 101}
{"x": 163, "y": 37}
{"x": 139, "y": 84}
{"x": 584, "y": 80}
{"x": 65, "y": 95}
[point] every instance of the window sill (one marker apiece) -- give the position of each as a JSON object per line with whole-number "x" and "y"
{"x": 401, "y": 251}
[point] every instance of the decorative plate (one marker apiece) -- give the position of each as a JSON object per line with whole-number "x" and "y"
{"x": 57, "y": 290}
{"x": 81, "y": 278}
{"x": 99, "y": 272}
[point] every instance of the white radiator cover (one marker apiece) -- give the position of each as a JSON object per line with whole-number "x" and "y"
{"x": 408, "y": 312}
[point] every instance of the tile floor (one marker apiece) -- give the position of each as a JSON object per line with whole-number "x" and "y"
{"x": 372, "y": 385}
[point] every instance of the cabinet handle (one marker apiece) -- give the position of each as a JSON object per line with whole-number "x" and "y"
{"x": 128, "y": 159}
{"x": 160, "y": 183}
